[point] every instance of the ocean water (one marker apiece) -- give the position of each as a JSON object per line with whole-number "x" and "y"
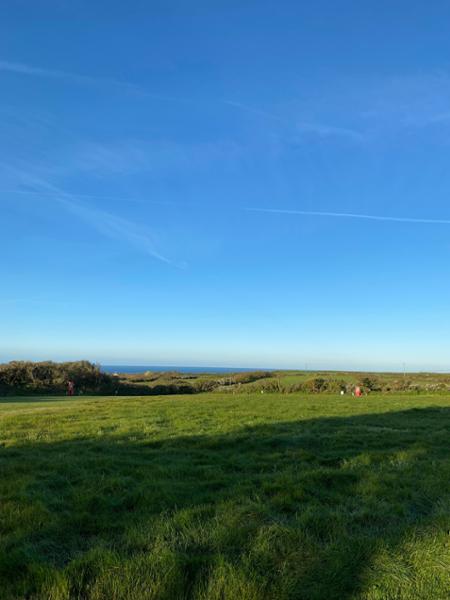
{"x": 159, "y": 368}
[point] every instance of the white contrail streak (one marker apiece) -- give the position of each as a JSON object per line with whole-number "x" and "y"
{"x": 75, "y": 78}
{"x": 321, "y": 130}
{"x": 314, "y": 213}
{"x": 106, "y": 223}
{"x": 91, "y": 197}
{"x": 24, "y": 69}
{"x": 307, "y": 213}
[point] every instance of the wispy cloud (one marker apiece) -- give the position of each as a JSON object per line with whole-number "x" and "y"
{"x": 396, "y": 102}
{"x": 438, "y": 118}
{"x": 343, "y": 215}
{"x": 24, "y": 69}
{"x": 327, "y": 131}
{"x": 77, "y": 79}
{"x": 130, "y": 156}
{"x": 84, "y": 197}
{"x": 255, "y": 111}
{"x": 106, "y": 223}
{"x": 403, "y": 102}
{"x": 321, "y": 130}
{"x": 14, "y": 67}
{"x": 114, "y": 227}
{"x": 312, "y": 128}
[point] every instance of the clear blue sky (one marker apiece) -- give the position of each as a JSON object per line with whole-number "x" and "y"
{"x": 188, "y": 182}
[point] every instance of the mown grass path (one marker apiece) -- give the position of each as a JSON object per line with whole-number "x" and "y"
{"x": 231, "y": 497}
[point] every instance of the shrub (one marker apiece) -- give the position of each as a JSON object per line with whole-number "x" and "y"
{"x": 206, "y": 385}
{"x": 316, "y": 385}
{"x": 246, "y": 377}
{"x": 23, "y": 377}
{"x": 371, "y": 384}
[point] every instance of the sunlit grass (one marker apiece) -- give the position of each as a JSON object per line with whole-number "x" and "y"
{"x": 222, "y": 496}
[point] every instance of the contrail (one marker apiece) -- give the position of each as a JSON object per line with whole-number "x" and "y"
{"x": 314, "y": 213}
{"x": 77, "y": 196}
{"x": 318, "y": 129}
{"x": 307, "y": 213}
{"x": 75, "y": 78}
{"x": 104, "y": 222}
{"x": 24, "y": 69}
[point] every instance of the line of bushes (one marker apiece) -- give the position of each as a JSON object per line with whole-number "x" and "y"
{"x": 48, "y": 377}
{"x": 26, "y": 377}
{"x": 335, "y": 385}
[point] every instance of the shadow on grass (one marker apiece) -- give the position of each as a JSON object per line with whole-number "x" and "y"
{"x": 118, "y": 390}
{"x": 42, "y": 399}
{"x": 295, "y": 510}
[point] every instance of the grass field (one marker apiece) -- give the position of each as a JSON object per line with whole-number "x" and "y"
{"x": 230, "y": 497}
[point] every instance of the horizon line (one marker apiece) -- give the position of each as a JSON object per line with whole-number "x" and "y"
{"x": 243, "y": 368}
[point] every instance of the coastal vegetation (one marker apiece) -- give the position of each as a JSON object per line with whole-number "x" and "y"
{"x": 26, "y": 377}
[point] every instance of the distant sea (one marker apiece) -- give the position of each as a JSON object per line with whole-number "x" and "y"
{"x": 159, "y": 368}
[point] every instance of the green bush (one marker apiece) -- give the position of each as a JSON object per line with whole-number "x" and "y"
{"x": 24, "y": 377}
{"x": 371, "y": 384}
{"x": 246, "y": 377}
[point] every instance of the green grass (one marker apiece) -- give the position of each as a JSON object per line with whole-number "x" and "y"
{"x": 230, "y": 497}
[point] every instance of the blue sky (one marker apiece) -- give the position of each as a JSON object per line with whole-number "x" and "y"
{"x": 226, "y": 183}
